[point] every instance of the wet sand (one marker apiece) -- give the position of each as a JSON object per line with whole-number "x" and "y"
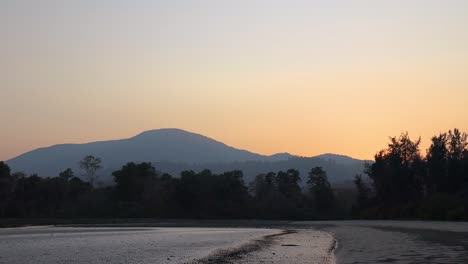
{"x": 402, "y": 242}
{"x": 291, "y": 246}
{"x": 295, "y": 242}
{"x": 302, "y": 246}
{"x": 119, "y": 245}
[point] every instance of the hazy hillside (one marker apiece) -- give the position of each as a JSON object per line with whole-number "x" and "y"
{"x": 174, "y": 150}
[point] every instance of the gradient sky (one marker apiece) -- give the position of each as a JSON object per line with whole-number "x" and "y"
{"x": 304, "y": 77}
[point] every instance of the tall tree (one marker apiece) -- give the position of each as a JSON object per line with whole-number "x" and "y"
{"x": 437, "y": 165}
{"x": 90, "y": 165}
{"x": 320, "y": 189}
{"x": 231, "y": 195}
{"x": 6, "y": 186}
{"x": 363, "y": 192}
{"x": 398, "y": 171}
{"x": 288, "y": 183}
{"x": 458, "y": 142}
{"x": 263, "y": 186}
{"x": 265, "y": 195}
{"x": 457, "y": 145}
{"x": 134, "y": 181}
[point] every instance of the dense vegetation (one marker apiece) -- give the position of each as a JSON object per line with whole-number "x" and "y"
{"x": 404, "y": 184}
{"x": 401, "y": 184}
{"x": 140, "y": 191}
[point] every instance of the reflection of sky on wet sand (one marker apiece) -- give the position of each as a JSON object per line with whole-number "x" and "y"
{"x": 118, "y": 245}
{"x": 399, "y": 241}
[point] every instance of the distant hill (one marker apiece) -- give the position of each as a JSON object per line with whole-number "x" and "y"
{"x": 340, "y": 159}
{"x": 174, "y": 150}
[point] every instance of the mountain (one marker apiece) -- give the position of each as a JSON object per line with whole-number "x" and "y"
{"x": 340, "y": 159}
{"x": 174, "y": 150}
{"x": 172, "y": 145}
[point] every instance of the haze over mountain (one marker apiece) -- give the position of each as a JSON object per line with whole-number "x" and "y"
{"x": 174, "y": 150}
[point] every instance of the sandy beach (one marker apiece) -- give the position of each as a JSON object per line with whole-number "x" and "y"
{"x": 119, "y": 245}
{"x": 342, "y": 242}
{"x": 291, "y": 246}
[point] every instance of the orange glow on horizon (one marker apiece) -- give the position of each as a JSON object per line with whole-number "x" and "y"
{"x": 305, "y": 78}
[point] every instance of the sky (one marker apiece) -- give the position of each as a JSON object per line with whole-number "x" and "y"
{"x": 304, "y": 77}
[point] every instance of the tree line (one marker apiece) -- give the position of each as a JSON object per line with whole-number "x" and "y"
{"x": 404, "y": 184}
{"x": 141, "y": 191}
{"x": 400, "y": 184}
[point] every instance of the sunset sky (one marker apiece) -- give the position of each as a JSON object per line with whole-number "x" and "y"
{"x": 305, "y": 77}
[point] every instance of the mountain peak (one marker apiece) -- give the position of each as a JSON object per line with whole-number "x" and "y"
{"x": 170, "y": 144}
{"x": 281, "y": 156}
{"x": 337, "y": 158}
{"x": 154, "y": 132}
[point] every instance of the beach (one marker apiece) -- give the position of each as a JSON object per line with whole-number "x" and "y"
{"x": 328, "y": 242}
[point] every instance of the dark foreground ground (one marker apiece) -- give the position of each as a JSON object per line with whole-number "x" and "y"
{"x": 239, "y": 242}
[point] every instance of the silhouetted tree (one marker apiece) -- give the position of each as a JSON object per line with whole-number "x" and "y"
{"x": 134, "y": 182}
{"x": 320, "y": 189}
{"x": 263, "y": 187}
{"x": 164, "y": 201}
{"x": 288, "y": 184}
{"x": 67, "y": 174}
{"x": 457, "y": 143}
{"x": 265, "y": 195}
{"x": 193, "y": 192}
{"x": 398, "y": 171}
{"x": 363, "y": 192}
{"x": 6, "y": 186}
{"x": 465, "y": 169}
{"x": 90, "y": 165}
{"x": 437, "y": 165}
{"x": 231, "y": 195}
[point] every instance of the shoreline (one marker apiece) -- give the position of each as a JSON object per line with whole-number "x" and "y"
{"x": 294, "y": 246}
{"x": 343, "y": 242}
{"x": 140, "y": 222}
{"x": 333, "y": 249}
{"x": 277, "y": 245}
{"x": 237, "y": 253}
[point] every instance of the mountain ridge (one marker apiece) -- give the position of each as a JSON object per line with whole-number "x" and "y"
{"x": 172, "y": 146}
